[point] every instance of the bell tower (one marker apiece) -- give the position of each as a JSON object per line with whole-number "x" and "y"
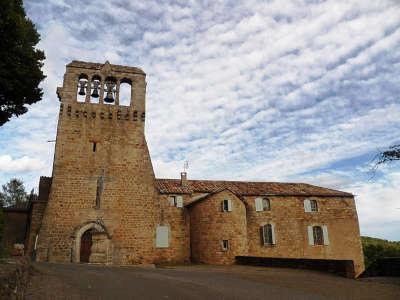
{"x": 102, "y": 202}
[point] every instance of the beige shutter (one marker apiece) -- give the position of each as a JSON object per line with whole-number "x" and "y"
{"x": 229, "y": 205}
{"x": 307, "y": 205}
{"x": 179, "y": 201}
{"x": 310, "y": 235}
{"x": 273, "y": 233}
{"x": 222, "y": 205}
{"x": 162, "y": 238}
{"x": 171, "y": 200}
{"x": 262, "y": 236}
{"x": 326, "y": 236}
{"x": 259, "y": 204}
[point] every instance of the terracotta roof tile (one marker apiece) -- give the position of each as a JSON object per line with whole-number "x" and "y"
{"x": 173, "y": 186}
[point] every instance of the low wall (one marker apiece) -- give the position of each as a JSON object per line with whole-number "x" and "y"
{"x": 387, "y": 266}
{"x": 341, "y": 267}
{"x": 14, "y": 277}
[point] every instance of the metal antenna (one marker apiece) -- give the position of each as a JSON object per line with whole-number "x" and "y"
{"x": 185, "y": 166}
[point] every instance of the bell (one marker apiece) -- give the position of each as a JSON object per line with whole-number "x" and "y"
{"x": 109, "y": 96}
{"x": 82, "y": 88}
{"x": 95, "y": 93}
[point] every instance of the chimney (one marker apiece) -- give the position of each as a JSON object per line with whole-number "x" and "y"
{"x": 183, "y": 178}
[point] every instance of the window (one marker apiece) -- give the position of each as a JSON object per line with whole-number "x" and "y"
{"x": 162, "y": 237}
{"x": 225, "y": 245}
{"x": 94, "y": 146}
{"x": 318, "y": 235}
{"x": 310, "y": 205}
{"x": 262, "y": 204}
{"x": 267, "y": 234}
{"x": 176, "y": 201}
{"x": 226, "y": 205}
{"x": 314, "y": 206}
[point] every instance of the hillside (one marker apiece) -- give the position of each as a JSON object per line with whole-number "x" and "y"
{"x": 375, "y": 248}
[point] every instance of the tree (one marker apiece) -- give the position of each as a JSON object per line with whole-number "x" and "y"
{"x": 20, "y": 61}
{"x": 385, "y": 157}
{"x": 13, "y": 192}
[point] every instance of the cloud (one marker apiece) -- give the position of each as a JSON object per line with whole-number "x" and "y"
{"x": 18, "y": 165}
{"x": 250, "y": 90}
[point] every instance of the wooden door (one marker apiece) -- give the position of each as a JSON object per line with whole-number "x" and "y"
{"x": 86, "y": 245}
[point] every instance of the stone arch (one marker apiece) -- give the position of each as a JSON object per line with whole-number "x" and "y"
{"x": 101, "y": 248}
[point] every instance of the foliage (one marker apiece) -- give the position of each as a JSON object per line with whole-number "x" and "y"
{"x": 387, "y": 156}
{"x": 20, "y": 63}
{"x": 374, "y": 249}
{"x": 2, "y": 252}
{"x": 13, "y": 192}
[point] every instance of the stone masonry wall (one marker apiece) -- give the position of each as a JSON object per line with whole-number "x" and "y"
{"x": 287, "y": 213}
{"x": 209, "y": 226}
{"x": 178, "y": 221}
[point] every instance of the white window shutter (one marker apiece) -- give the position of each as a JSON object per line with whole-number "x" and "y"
{"x": 326, "y": 236}
{"x": 172, "y": 201}
{"x": 273, "y": 234}
{"x": 179, "y": 201}
{"x": 162, "y": 238}
{"x": 229, "y": 205}
{"x": 310, "y": 235}
{"x": 259, "y": 204}
{"x": 307, "y": 205}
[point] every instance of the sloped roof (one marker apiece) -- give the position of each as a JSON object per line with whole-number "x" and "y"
{"x": 21, "y": 206}
{"x": 242, "y": 188}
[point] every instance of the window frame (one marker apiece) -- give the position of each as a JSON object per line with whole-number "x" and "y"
{"x": 228, "y": 206}
{"x": 313, "y": 205}
{"x": 268, "y": 235}
{"x": 225, "y": 245}
{"x": 318, "y": 235}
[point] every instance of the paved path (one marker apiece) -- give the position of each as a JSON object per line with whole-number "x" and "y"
{"x": 72, "y": 281}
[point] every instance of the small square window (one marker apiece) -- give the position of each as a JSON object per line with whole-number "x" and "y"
{"x": 225, "y": 245}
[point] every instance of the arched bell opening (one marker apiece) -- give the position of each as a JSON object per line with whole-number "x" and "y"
{"x": 82, "y": 88}
{"x": 95, "y": 87}
{"x": 125, "y": 92}
{"x": 110, "y": 90}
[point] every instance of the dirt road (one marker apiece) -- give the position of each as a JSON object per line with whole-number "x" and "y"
{"x": 73, "y": 281}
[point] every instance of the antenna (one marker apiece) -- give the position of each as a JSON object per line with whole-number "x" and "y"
{"x": 185, "y": 166}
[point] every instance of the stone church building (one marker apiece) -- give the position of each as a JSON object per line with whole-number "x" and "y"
{"x": 103, "y": 203}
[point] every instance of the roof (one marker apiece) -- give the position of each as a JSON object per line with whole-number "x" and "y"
{"x": 99, "y": 66}
{"x": 246, "y": 188}
{"x": 21, "y": 206}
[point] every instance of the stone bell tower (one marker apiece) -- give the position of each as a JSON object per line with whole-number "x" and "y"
{"x": 102, "y": 203}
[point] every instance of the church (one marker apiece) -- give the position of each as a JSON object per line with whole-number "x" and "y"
{"x": 103, "y": 203}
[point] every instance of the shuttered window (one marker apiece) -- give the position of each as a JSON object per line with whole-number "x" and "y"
{"x": 176, "y": 201}
{"x": 226, "y": 205}
{"x": 162, "y": 237}
{"x": 318, "y": 235}
{"x": 262, "y": 204}
{"x": 310, "y": 205}
{"x": 268, "y": 234}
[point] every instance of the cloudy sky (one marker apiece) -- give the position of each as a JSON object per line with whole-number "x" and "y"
{"x": 300, "y": 91}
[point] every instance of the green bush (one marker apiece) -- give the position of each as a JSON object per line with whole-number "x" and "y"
{"x": 374, "y": 249}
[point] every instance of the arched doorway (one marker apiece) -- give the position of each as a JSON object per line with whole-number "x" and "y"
{"x": 86, "y": 246}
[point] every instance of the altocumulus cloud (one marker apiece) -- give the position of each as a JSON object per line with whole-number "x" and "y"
{"x": 251, "y": 90}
